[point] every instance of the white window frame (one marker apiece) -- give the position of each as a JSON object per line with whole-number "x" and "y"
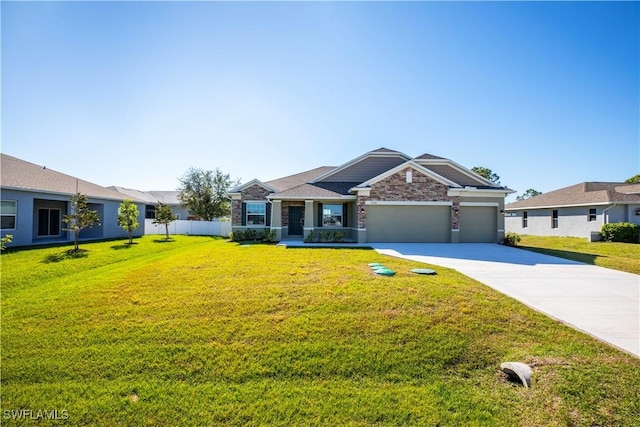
{"x": 592, "y": 217}
{"x": 264, "y": 214}
{"x": 331, "y": 215}
{"x": 14, "y": 215}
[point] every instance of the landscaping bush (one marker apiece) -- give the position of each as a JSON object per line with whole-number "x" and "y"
{"x": 511, "y": 239}
{"x": 625, "y": 232}
{"x": 264, "y": 235}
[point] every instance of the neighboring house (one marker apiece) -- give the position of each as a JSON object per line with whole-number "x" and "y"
{"x": 35, "y": 199}
{"x": 381, "y": 196}
{"x": 152, "y": 198}
{"x": 579, "y": 210}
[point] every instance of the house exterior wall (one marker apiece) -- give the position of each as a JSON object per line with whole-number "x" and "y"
{"x": 572, "y": 221}
{"x": 631, "y": 214}
{"x": 253, "y": 193}
{"x": 28, "y": 203}
{"x": 23, "y": 233}
{"x": 395, "y": 188}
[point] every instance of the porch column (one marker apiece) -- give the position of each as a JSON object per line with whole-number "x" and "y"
{"x": 276, "y": 218}
{"x": 308, "y": 218}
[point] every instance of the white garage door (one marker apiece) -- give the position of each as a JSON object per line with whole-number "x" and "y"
{"x": 478, "y": 224}
{"x": 409, "y": 224}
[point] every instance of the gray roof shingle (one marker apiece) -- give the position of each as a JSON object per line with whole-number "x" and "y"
{"x": 585, "y": 193}
{"x": 17, "y": 174}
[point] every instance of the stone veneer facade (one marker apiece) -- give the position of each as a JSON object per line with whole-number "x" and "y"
{"x": 396, "y": 188}
{"x": 253, "y": 193}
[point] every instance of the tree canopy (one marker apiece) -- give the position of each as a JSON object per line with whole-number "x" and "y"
{"x": 634, "y": 179}
{"x": 529, "y": 193}
{"x": 81, "y": 217}
{"x": 204, "y": 193}
{"x": 487, "y": 174}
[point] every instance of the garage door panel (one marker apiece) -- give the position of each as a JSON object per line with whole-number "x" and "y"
{"x": 478, "y": 224}
{"x": 409, "y": 224}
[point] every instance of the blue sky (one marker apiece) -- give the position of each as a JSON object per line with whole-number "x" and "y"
{"x": 545, "y": 94}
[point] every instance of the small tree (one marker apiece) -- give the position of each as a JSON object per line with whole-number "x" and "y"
{"x": 81, "y": 217}
{"x": 128, "y": 217}
{"x": 164, "y": 216}
{"x": 487, "y": 174}
{"x": 529, "y": 193}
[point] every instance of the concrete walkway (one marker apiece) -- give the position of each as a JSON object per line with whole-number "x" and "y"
{"x": 601, "y": 302}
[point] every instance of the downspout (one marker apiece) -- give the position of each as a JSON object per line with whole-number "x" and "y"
{"x": 604, "y": 217}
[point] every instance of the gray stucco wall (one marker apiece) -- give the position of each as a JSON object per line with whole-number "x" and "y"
{"x": 25, "y": 233}
{"x": 572, "y": 221}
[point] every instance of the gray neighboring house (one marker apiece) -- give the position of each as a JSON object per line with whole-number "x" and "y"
{"x": 576, "y": 211}
{"x": 381, "y": 196}
{"x": 35, "y": 199}
{"x": 151, "y": 199}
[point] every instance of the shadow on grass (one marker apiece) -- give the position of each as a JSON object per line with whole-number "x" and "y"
{"x": 169, "y": 240}
{"x": 123, "y": 246}
{"x": 574, "y": 256}
{"x": 70, "y": 254}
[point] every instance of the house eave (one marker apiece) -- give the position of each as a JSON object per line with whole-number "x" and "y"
{"x": 67, "y": 194}
{"x": 303, "y": 198}
{"x": 574, "y": 205}
{"x": 478, "y": 192}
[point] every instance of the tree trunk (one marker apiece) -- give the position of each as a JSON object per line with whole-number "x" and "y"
{"x": 166, "y": 226}
{"x": 130, "y": 238}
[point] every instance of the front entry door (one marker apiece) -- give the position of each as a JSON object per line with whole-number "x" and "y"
{"x": 296, "y": 220}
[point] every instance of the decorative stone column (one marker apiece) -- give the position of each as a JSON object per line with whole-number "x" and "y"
{"x": 455, "y": 220}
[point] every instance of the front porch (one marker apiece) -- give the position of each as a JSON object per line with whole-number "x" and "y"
{"x": 320, "y": 221}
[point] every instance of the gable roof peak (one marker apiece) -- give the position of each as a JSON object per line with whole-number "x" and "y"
{"x": 427, "y": 156}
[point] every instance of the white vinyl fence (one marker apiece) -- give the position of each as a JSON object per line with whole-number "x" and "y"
{"x": 198, "y": 228}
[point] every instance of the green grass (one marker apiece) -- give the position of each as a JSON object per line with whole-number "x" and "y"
{"x": 617, "y": 256}
{"x": 201, "y": 331}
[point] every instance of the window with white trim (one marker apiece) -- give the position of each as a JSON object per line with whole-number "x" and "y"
{"x": 331, "y": 215}
{"x": 9, "y": 212}
{"x": 256, "y": 213}
{"x": 525, "y": 219}
{"x": 554, "y": 218}
{"x": 592, "y": 214}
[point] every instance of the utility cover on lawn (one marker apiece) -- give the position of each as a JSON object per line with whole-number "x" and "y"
{"x": 381, "y": 270}
{"x": 423, "y": 271}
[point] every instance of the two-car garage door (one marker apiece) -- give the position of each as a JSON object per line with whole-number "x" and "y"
{"x": 432, "y": 224}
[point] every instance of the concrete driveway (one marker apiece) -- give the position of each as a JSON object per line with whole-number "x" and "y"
{"x": 601, "y": 302}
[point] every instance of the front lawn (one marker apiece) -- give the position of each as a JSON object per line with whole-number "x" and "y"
{"x": 202, "y": 331}
{"x": 617, "y": 256}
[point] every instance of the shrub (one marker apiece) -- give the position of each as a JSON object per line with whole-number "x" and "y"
{"x": 5, "y": 241}
{"x": 625, "y": 232}
{"x": 268, "y": 235}
{"x": 511, "y": 239}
